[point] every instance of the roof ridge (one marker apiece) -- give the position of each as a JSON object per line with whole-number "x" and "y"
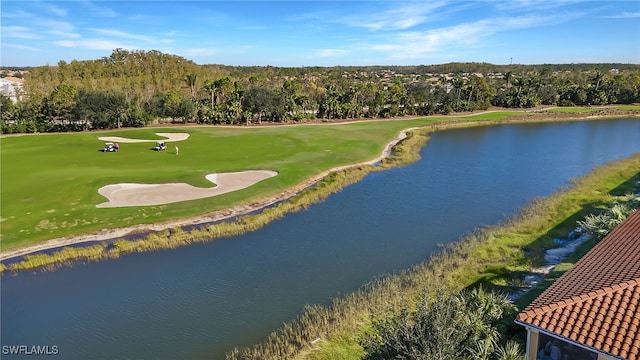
{"x": 579, "y": 298}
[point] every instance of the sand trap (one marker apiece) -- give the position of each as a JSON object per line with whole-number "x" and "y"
{"x": 170, "y": 137}
{"x": 120, "y": 195}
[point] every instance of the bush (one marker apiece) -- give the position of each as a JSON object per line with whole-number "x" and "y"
{"x": 445, "y": 326}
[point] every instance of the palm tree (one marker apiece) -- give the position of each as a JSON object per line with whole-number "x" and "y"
{"x": 234, "y": 108}
{"x": 442, "y": 79}
{"x": 510, "y": 351}
{"x": 190, "y": 79}
{"x": 331, "y": 103}
{"x": 458, "y": 83}
{"x": 597, "y": 78}
{"x": 518, "y": 84}
{"x": 290, "y": 92}
{"x": 444, "y": 326}
{"x": 210, "y": 87}
{"x": 224, "y": 85}
{"x": 471, "y": 86}
{"x": 508, "y": 77}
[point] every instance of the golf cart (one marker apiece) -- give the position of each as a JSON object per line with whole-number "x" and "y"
{"x": 161, "y": 145}
{"x": 111, "y": 147}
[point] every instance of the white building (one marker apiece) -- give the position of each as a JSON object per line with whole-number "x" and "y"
{"x": 10, "y": 89}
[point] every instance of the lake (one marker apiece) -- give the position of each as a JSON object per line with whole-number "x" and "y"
{"x": 201, "y": 300}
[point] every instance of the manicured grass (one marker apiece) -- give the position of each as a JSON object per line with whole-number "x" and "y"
{"x": 494, "y": 115}
{"x": 628, "y": 107}
{"x": 571, "y": 110}
{"x": 176, "y": 236}
{"x": 50, "y": 182}
{"x": 584, "y": 110}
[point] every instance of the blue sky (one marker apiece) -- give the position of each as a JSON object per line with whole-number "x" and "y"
{"x": 324, "y": 33}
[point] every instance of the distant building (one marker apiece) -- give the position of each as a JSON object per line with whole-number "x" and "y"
{"x": 593, "y": 310}
{"x": 10, "y": 89}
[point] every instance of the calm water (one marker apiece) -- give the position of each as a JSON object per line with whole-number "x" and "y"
{"x": 201, "y": 300}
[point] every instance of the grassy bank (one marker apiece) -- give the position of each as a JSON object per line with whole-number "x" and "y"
{"x": 493, "y": 257}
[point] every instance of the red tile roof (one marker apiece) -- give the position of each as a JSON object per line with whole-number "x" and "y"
{"x": 597, "y": 302}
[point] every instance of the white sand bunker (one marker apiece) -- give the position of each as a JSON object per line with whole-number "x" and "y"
{"x": 169, "y": 136}
{"x": 120, "y": 195}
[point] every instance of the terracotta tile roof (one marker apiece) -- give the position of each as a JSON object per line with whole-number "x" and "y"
{"x": 597, "y": 302}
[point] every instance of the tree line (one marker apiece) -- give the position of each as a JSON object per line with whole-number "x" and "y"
{"x": 134, "y": 88}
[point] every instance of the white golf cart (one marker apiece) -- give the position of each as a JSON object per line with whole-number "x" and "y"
{"x": 111, "y": 147}
{"x": 161, "y": 145}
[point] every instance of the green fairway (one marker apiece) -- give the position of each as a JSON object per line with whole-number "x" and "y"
{"x": 584, "y": 110}
{"x": 628, "y": 107}
{"x": 50, "y": 182}
{"x": 572, "y": 110}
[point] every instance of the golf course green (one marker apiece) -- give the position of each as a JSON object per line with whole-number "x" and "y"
{"x": 50, "y": 182}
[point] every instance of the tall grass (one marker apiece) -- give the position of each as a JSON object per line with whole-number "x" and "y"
{"x": 65, "y": 256}
{"x": 474, "y": 259}
{"x": 601, "y": 223}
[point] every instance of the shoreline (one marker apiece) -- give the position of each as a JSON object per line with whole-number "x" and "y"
{"x": 260, "y": 204}
{"x": 220, "y": 215}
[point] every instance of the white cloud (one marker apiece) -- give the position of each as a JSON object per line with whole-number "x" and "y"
{"x": 624, "y": 15}
{"x": 99, "y": 11}
{"x": 330, "y": 52}
{"x": 54, "y": 25}
{"x": 415, "y": 44}
{"x": 20, "y": 14}
{"x": 65, "y": 34}
{"x": 398, "y": 17}
{"x": 533, "y": 5}
{"x": 166, "y": 41}
{"x": 139, "y": 17}
{"x": 21, "y": 47}
{"x": 124, "y": 35}
{"x": 93, "y": 44}
{"x": 138, "y": 37}
{"x": 58, "y": 11}
{"x": 19, "y": 32}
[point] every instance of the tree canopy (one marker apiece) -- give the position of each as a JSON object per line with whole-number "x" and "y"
{"x": 145, "y": 85}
